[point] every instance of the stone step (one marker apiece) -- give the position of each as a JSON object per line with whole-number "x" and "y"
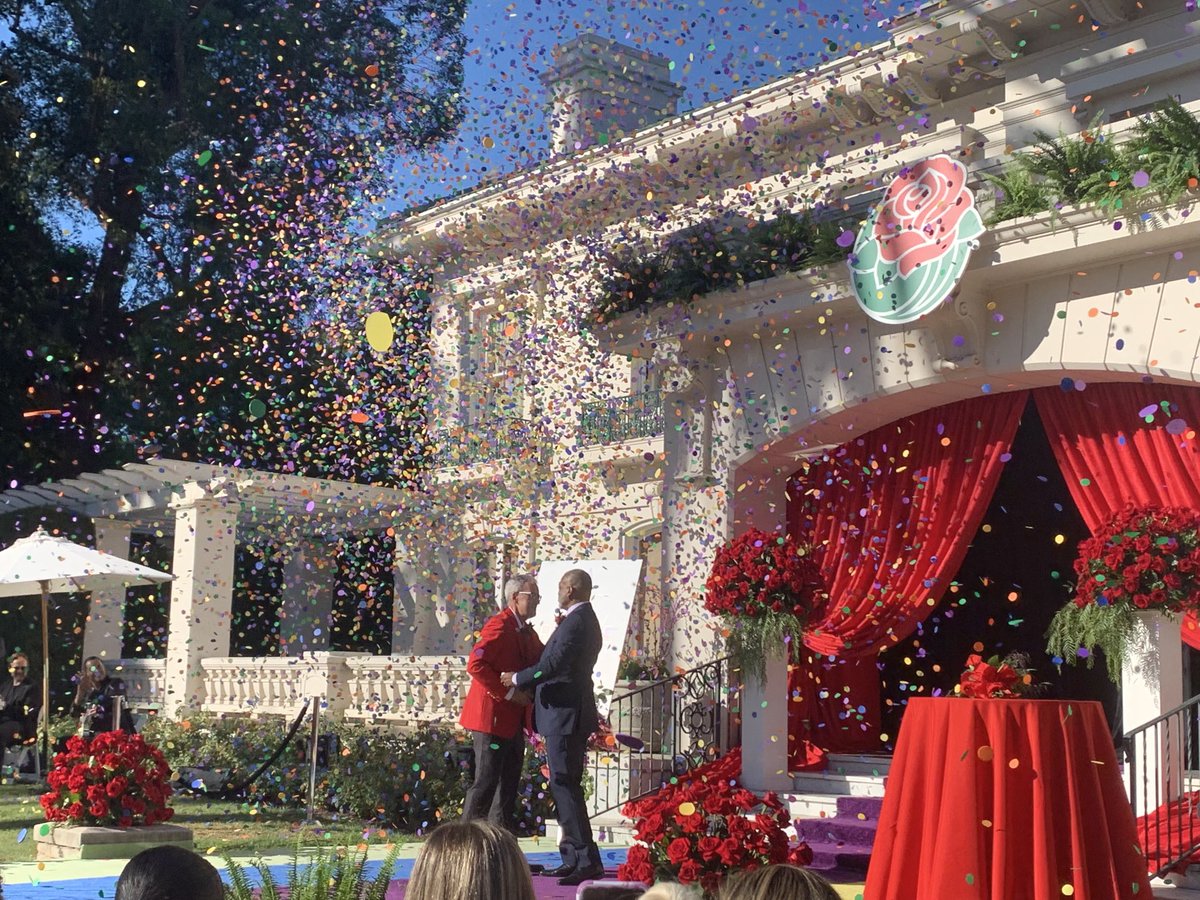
{"x": 831, "y": 856}
{"x": 832, "y": 783}
{"x": 854, "y": 835}
{"x": 859, "y": 763}
{"x": 861, "y": 808}
{"x": 810, "y": 806}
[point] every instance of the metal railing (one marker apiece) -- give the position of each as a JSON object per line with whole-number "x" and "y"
{"x": 663, "y": 730}
{"x": 622, "y": 418}
{"x": 492, "y": 439}
{"x": 1160, "y": 762}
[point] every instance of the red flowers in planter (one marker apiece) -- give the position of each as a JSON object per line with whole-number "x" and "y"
{"x": 114, "y": 779}
{"x": 993, "y": 678}
{"x": 759, "y": 573}
{"x": 1148, "y": 557}
{"x": 706, "y": 825}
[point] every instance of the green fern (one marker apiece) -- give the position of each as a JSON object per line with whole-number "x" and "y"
{"x": 1088, "y": 168}
{"x": 1167, "y": 146}
{"x": 329, "y": 873}
{"x": 1017, "y": 194}
{"x": 1092, "y": 627}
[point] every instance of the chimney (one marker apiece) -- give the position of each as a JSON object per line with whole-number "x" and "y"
{"x": 601, "y": 90}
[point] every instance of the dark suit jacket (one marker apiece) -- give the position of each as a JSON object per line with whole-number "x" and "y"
{"x": 21, "y": 703}
{"x": 565, "y": 701}
{"x": 502, "y": 647}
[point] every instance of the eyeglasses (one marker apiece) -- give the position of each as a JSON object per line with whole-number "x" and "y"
{"x": 530, "y": 593}
{"x": 17, "y": 668}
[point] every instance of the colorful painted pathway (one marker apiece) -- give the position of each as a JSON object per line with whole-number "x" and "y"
{"x": 96, "y": 879}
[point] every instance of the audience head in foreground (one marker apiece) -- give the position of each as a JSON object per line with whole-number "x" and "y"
{"x": 671, "y": 890}
{"x": 469, "y": 861}
{"x": 169, "y": 873}
{"x": 777, "y": 883}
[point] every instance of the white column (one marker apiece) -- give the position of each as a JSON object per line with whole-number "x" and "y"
{"x": 106, "y": 607}
{"x": 760, "y": 501}
{"x": 308, "y": 580}
{"x": 201, "y": 597}
{"x": 1152, "y": 684}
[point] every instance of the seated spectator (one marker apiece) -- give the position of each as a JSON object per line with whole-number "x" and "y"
{"x": 19, "y": 703}
{"x": 468, "y": 861}
{"x": 777, "y": 883}
{"x": 96, "y": 701}
{"x": 169, "y": 873}
{"x": 670, "y": 890}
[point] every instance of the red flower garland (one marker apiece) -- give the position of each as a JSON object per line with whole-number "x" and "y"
{"x": 757, "y": 573}
{"x": 1147, "y": 557}
{"x": 114, "y": 779}
{"x": 703, "y": 826}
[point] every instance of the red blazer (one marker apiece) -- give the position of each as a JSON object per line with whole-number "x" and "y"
{"x": 502, "y": 647}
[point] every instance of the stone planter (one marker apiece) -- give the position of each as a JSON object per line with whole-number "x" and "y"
{"x": 58, "y": 841}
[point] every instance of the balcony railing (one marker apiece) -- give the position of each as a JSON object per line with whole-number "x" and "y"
{"x": 145, "y": 681}
{"x": 485, "y": 441}
{"x": 622, "y": 419}
{"x": 407, "y": 691}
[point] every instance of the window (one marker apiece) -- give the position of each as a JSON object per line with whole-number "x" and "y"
{"x": 496, "y": 358}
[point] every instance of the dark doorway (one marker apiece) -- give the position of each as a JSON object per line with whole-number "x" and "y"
{"x": 1016, "y": 575}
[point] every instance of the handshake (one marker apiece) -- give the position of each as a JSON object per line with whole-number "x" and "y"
{"x": 520, "y": 696}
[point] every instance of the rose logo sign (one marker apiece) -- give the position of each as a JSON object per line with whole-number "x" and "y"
{"x": 913, "y": 248}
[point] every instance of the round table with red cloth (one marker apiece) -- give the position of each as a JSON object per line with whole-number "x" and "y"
{"x": 1005, "y": 800}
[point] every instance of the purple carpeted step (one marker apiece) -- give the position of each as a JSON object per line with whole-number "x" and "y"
{"x": 851, "y": 832}
{"x": 831, "y": 856}
{"x": 852, "y": 807}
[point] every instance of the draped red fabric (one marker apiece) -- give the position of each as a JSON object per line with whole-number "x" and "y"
{"x": 1121, "y": 443}
{"x": 891, "y": 515}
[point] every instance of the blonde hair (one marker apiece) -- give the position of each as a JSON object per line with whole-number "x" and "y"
{"x": 671, "y": 890}
{"x": 469, "y": 861}
{"x": 778, "y": 883}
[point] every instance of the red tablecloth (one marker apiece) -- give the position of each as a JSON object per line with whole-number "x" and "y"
{"x": 1005, "y": 800}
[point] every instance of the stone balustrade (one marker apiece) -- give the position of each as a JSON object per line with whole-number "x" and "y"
{"x": 406, "y": 691}
{"x": 262, "y": 685}
{"x": 398, "y": 691}
{"x": 145, "y": 681}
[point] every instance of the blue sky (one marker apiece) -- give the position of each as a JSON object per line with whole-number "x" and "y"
{"x": 717, "y": 49}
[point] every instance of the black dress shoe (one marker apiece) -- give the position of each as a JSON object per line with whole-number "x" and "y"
{"x": 579, "y": 876}
{"x": 536, "y": 868}
{"x": 559, "y": 872}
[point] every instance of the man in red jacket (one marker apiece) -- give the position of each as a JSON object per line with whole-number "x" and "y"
{"x": 497, "y": 715}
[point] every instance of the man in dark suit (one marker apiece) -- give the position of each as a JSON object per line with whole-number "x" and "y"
{"x": 496, "y": 714}
{"x": 18, "y": 703}
{"x": 565, "y": 715}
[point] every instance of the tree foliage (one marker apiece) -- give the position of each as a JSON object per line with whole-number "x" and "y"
{"x": 221, "y": 160}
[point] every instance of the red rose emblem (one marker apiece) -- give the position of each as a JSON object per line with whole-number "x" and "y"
{"x": 800, "y": 855}
{"x": 919, "y": 217}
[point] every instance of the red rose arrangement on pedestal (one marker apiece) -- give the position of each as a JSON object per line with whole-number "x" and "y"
{"x": 765, "y": 587}
{"x": 996, "y": 678}
{"x": 115, "y": 779}
{"x": 1143, "y": 558}
{"x": 705, "y": 826}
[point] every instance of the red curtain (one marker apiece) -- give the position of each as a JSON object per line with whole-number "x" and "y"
{"x": 891, "y": 516}
{"x": 1123, "y": 443}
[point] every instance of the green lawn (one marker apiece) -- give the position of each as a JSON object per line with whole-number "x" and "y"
{"x": 219, "y": 826}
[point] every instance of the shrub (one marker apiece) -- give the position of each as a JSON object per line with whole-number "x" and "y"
{"x": 329, "y": 874}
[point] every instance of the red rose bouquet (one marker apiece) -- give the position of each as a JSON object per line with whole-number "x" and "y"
{"x": 114, "y": 779}
{"x": 765, "y": 587}
{"x": 997, "y": 678}
{"x": 704, "y": 826}
{"x": 1143, "y": 558}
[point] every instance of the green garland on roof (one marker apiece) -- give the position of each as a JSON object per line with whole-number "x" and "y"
{"x": 714, "y": 256}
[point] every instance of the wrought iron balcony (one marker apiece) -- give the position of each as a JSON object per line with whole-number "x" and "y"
{"x": 622, "y": 419}
{"x": 477, "y": 442}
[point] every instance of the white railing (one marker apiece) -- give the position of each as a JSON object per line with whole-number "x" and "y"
{"x": 406, "y": 691}
{"x": 145, "y": 681}
{"x": 262, "y": 685}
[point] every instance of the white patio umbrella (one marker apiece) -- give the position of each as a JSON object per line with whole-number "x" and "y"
{"x": 46, "y": 564}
